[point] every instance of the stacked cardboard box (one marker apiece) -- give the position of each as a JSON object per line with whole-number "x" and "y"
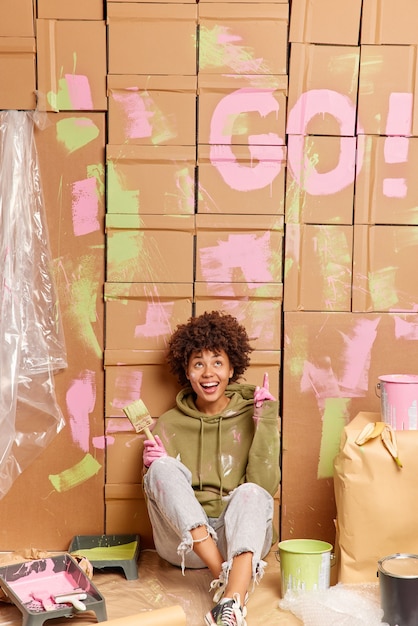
{"x": 67, "y": 44}
{"x": 242, "y": 92}
{"x": 150, "y": 223}
{"x": 351, "y": 235}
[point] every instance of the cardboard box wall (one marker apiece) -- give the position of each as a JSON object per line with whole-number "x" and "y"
{"x": 389, "y": 22}
{"x": 243, "y": 38}
{"x": 152, "y": 110}
{"x": 133, "y": 374}
{"x": 126, "y": 512}
{"x": 150, "y": 313}
{"x": 320, "y": 179}
{"x": 386, "y": 96}
{"x": 323, "y": 89}
{"x": 153, "y": 248}
{"x": 239, "y": 249}
{"x": 156, "y": 180}
{"x": 17, "y": 21}
{"x": 256, "y": 306}
{"x": 318, "y": 267}
{"x": 383, "y": 259}
{"x": 326, "y": 22}
{"x": 227, "y": 114}
{"x": 331, "y": 365}
{"x": 241, "y": 179}
{"x": 152, "y": 38}
{"x": 71, "y": 65}
{"x": 75, "y": 10}
{"x": 61, "y": 493}
{"x": 17, "y": 58}
{"x": 385, "y": 180}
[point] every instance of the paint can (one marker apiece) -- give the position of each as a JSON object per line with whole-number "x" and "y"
{"x": 305, "y": 565}
{"x": 398, "y": 583}
{"x": 399, "y": 400}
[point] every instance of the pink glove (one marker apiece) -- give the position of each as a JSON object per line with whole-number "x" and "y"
{"x": 262, "y": 393}
{"x": 153, "y": 450}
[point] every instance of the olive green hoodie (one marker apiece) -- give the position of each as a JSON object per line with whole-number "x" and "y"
{"x": 225, "y": 450}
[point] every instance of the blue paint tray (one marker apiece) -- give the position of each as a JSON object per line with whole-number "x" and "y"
{"x": 109, "y": 551}
{"x": 36, "y": 586}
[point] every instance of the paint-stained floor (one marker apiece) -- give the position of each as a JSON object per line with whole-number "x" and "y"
{"x": 161, "y": 585}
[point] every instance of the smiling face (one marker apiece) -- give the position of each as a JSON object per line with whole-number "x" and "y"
{"x": 209, "y": 373}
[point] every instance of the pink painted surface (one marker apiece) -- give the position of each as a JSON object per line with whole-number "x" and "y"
{"x": 265, "y": 167}
{"x": 322, "y": 183}
{"x": 399, "y": 122}
{"x": 79, "y": 92}
{"x": 354, "y": 381}
{"x": 45, "y": 584}
{"x": 85, "y": 206}
{"x": 101, "y": 442}
{"x": 137, "y": 118}
{"x": 243, "y": 101}
{"x": 80, "y": 400}
{"x": 157, "y": 322}
{"x": 318, "y": 102}
{"x": 249, "y": 253}
{"x": 127, "y": 389}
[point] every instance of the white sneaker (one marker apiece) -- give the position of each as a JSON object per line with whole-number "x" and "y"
{"x": 228, "y": 612}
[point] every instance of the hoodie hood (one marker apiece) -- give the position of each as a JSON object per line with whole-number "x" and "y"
{"x": 237, "y": 392}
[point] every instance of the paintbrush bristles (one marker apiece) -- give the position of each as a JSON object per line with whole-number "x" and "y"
{"x": 137, "y": 413}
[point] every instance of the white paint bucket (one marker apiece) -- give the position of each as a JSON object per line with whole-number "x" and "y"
{"x": 399, "y": 400}
{"x": 305, "y": 565}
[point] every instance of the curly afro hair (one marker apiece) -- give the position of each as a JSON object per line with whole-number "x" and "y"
{"x": 210, "y": 331}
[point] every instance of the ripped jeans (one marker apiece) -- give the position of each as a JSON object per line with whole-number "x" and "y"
{"x": 245, "y": 525}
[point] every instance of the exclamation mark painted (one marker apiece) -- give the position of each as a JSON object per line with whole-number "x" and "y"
{"x": 398, "y": 129}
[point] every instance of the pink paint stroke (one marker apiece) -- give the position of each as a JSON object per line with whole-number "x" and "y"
{"x": 80, "y": 400}
{"x": 79, "y": 92}
{"x": 85, "y": 207}
{"x": 157, "y": 322}
{"x": 137, "y": 118}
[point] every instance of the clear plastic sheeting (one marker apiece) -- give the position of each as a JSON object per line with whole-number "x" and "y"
{"x": 31, "y": 335}
{"x": 345, "y": 605}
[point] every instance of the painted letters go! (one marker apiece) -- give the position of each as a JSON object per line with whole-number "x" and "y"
{"x": 311, "y": 103}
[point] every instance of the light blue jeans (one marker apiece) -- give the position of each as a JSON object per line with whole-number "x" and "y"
{"x": 245, "y": 525}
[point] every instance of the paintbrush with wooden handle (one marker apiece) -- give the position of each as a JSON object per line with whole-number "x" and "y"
{"x": 137, "y": 413}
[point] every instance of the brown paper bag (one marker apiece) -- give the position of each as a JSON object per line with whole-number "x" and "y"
{"x": 377, "y": 503}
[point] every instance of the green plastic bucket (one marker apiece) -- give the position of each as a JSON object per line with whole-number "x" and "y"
{"x": 305, "y": 565}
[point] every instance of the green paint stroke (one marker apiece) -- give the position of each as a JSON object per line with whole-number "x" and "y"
{"x": 336, "y": 412}
{"x": 119, "y": 198}
{"x": 125, "y": 256}
{"x": 76, "y": 132}
{"x": 79, "y": 286}
{"x": 60, "y": 99}
{"x": 163, "y": 128}
{"x": 181, "y": 202}
{"x": 335, "y": 261}
{"x": 382, "y": 288}
{"x": 76, "y": 475}
{"x": 218, "y": 48}
{"x": 298, "y": 351}
{"x": 97, "y": 171}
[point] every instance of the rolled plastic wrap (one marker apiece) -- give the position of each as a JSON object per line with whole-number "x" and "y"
{"x": 31, "y": 334}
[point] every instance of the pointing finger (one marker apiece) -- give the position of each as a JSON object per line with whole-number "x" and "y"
{"x": 266, "y": 381}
